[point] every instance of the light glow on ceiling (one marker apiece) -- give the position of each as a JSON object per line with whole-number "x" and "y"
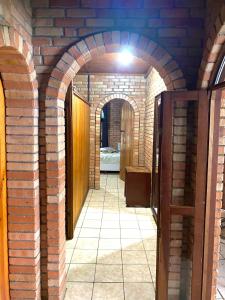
{"x": 125, "y": 57}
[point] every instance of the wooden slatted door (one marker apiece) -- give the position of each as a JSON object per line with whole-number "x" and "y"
{"x": 4, "y": 282}
{"x": 77, "y": 158}
{"x": 182, "y": 196}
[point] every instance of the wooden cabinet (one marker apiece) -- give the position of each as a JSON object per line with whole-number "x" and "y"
{"x": 77, "y": 144}
{"x": 126, "y": 149}
{"x": 137, "y": 186}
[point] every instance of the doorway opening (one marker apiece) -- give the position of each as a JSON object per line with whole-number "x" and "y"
{"x": 113, "y": 249}
{"x": 116, "y": 137}
{"x": 87, "y": 51}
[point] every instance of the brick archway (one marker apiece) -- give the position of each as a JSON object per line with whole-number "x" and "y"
{"x": 212, "y": 50}
{"x": 67, "y": 67}
{"x": 21, "y": 102}
{"x": 95, "y": 115}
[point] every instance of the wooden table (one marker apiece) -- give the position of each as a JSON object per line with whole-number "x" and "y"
{"x": 137, "y": 186}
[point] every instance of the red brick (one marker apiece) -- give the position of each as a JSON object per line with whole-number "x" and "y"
{"x": 96, "y": 3}
{"x": 174, "y": 13}
{"x": 172, "y": 32}
{"x": 81, "y": 13}
{"x": 64, "y": 3}
{"x": 99, "y": 22}
{"x": 42, "y": 22}
{"x": 49, "y": 13}
{"x": 69, "y": 22}
{"x": 48, "y": 31}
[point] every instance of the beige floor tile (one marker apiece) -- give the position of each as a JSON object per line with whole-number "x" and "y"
{"x": 70, "y": 244}
{"x": 79, "y": 291}
{"x": 151, "y": 257}
{"x": 110, "y": 216}
{"x": 77, "y": 231}
{"x": 130, "y": 233}
{"x": 146, "y": 224}
{"x": 127, "y": 210}
{"x": 109, "y": 244}
{"x": 142, "y": 291}
{"x": 134, "y": 257}
{"x": 91, "y": 224}
{"x": 87, "y": 243}
{"x": 128, "y": 217}
{"x": 132, "y": 244}
{"x": 96, "y": 204}
{"x": 110, "y": 204}
{"x": 149, "y": 244}
{"x": 153, "y": 272}
{"x": 93, "y": 216}
{"x": 81, "y": 272}
{"x": 108, "y": 273}
{"x": 110, "y": 224}
{"x": 128, "y": 224}
{"x": 108, "y": 291}
{"x": 69, "y": 253}
{"x": 97, "y": 247}
{"x": 82, "y": 256}
{"x": 148, "y": 233}
{"x": 109, "y": 257}
{"x": 67, "y": 268}
{"x": 110, "y": 233}
{"x": 136, "y": 273}
{"x": 89, "y": 232}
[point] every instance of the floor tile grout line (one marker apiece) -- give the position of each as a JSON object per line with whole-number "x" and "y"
{"x": 117, "y": 210}
{"x": 147, "y": 259}
{"x": 96, "y": 258}
{"x": 124, "y": 295}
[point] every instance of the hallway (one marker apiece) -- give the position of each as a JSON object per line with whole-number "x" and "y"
{"x": 113, "y": 253}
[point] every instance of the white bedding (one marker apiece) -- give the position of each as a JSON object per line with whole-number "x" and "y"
{"x": 110, "y": 161}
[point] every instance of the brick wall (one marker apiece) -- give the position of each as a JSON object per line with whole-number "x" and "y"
{"x": 114, "y": 122}
{"x": 101, "y": 86}
{"x": 21, "y": 102}
{"x": 154, "y": 86}
{"x": 17, "y": 13}
{"x": 177, "y": 26}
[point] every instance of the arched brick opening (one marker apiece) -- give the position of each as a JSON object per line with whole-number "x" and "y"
{"x": 212, "y": 50}
{"x": 67, "y": 67}
{"x": 21, "y": 102}
{"x": 95, "y": 115}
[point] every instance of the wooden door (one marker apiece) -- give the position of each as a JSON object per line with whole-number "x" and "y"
{"x": 4, "y": 282}
{"x": 182, "y": 197}
{"x": 77, "y": 157}
{"x": 126, "y": 148}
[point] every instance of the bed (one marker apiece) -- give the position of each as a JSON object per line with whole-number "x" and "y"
{"x": 109, "y": 160}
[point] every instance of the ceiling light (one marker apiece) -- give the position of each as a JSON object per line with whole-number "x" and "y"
{"x": 126, "y": 57}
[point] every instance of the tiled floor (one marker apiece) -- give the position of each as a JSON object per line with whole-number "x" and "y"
{"x": 221, "y": 274}
{"x": 113, "y": 253}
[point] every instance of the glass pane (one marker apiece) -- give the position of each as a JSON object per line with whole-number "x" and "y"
{"x": 180, "y": 257}
{"x": 156, "y": 151}
{"x": 184, "y": 152}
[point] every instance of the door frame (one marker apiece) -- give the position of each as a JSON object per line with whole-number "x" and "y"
{"x": 4, "y": 267}
{"x": 167, "y": 208}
